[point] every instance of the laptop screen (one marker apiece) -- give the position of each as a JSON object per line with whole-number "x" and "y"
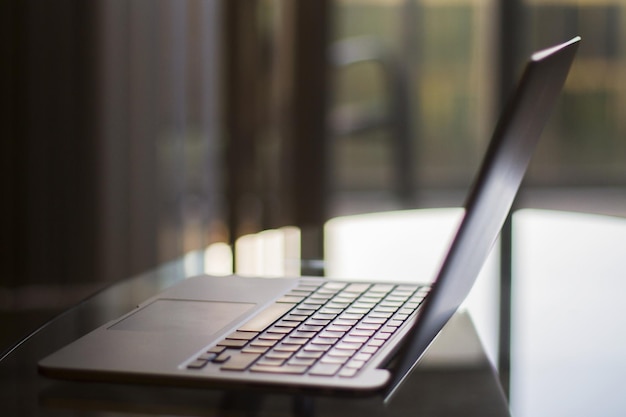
{"x": 491, "y": 196}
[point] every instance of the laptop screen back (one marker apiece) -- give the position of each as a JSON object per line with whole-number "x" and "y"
{"x": 491, "y": 196}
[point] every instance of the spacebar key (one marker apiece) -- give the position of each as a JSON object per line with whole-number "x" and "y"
{"x": 264, "y": 318}
{"x": 284, "y": 369}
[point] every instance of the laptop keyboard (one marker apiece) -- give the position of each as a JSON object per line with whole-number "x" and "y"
{"x": 325, "y": 329}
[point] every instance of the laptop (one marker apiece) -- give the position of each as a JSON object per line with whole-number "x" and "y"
{"x": 317, "y": 334}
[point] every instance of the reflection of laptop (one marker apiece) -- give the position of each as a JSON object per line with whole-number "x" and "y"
{"x": 314, "y": 333}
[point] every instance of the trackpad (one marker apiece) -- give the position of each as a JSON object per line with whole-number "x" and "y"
{"x": 183, "y": 316}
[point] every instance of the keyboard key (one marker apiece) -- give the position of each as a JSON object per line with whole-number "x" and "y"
{"x": 348, "y": 346}
{"x": 323, "y": 294}
{"x": 294, "y": 317}
{"x": 324, "y": 341}
{"x": 222, "y": 357}
{"x": 310, "y": 328}
{"x": 348, "y": 372}
{"x": 325, "y": 369}
{"x": 374, "y": 320}
{"x": 382, "y": 287}
{"x": 309, "y": 284}
{"x": 279, "y": 355}
{"x": 351, "y": 316}
{"x": 271, "y": 336}
{"x": 300, "y": 292}
{"x": 379, "y": 315}
{"x": 397, "y": 298}
{"x": 309, "y": 306}
{"x": 331, "y": 334}
{"x": 278, "y": 329}
{"x": 317, "y": 322}
{"x": 345, "y": 322}
{"x": 320, "y": 296}
{"x": 328, "y": 310}
{"x": 355, "y": 339}
{"x": 309, "y": 355}
{"x": 333, "y": 285}
{"x": 316, "y": 301}
{"x": 358, "y": 310}
{"x": 295, "y": 341}
{"x": 363, "y": 304}
{"x": 216, "y": 349}
{"x": 287, "y": 324}
{"x": 376, "y": 342}
{"x": 361, "y": 332}
{"x": 285, "y": 369}
{"x": 367, "y": 326}
{"x": 263, "y": 343}
{"x": 316, "y": 348}
{"x": 255, "y": 349}
{"x": 355, "y": 364}
{"x": 207, "y": 356}
{"x": 197, "y": 364}
{"x": 391, "y": 304}
{"x": 287, "y": 348}
{"x": 385, "y": 309}
{"x": 334, "y": 359}
{"x": 334, "y": 304}
{"x": 371, "y": 298}
{"x": 337, "y": 328}
{"x": 357, "y": 287}
{"x": 242, "y": 335}
{"x": 302, "y": 361}
{"x": 369, "y": 349}
{"x": 323, "y": 316}
{"x": 362, "y": 356}
{"x": 389, "y": 329}
{"x": 303, "y": 334}
{"x": 290, "y": 299}
{"x": 240, "y": 361}
{"x": 266, "y": 317}
{"x": 341, "y": 353}
{"x": 270, "y": 361}
{"x": 344, "y": 299}
{"x": 303, "y": 310}
{"x": 232, "y": 343}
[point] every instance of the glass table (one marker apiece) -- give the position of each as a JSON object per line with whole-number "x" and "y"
{"x": 454, "y": 378}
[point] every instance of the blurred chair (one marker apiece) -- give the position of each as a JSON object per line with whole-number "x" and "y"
{"x": 388, "y": 112}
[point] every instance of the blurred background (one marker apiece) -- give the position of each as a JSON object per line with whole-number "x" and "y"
{"x": 135, "y": 131}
